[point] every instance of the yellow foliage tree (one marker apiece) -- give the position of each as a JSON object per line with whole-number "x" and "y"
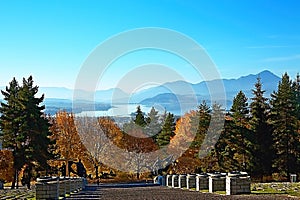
{"x": 68, "y": 143}
{"x": 180, "y": 144}
{"x": 6, "y": 165}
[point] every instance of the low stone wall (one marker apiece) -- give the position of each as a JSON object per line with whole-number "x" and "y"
{"x": 191, "y": 181}
{"x": 47, "y": 190}
{"x": 238, "y": 184}
{"x": 175, "y": 181}
{"x": 201, "y": 182}
{"x": 216, "y": 182}
{"x": 169, "y": 180}
{"x": 54, "y": 187}
{"x": 232, "y": 183}
{"x": 182, "y": 181}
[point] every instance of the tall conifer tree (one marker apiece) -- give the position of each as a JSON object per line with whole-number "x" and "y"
{"x": 10, "y": 122}
{"x": 34, "y": 124}
{"x": 240, "y": 134}
{"x": 203, "y": 120}
{"x": 284, "y": 123}
{"x": 167, "y": 131}
{"x": 262, "y": 135}
{"x": 24, "y": 127}
{"x": 139, "y": 117}
{"x": 153, "y": 126}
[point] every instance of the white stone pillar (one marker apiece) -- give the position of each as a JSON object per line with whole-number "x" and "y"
{"x": 182, "y": 181}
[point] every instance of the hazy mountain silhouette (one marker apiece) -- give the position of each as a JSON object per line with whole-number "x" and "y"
{"x": 171, "y": 95}
{"x": 201, "y": 91}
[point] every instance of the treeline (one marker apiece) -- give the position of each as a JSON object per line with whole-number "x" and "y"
{"x": 260, "y": 135}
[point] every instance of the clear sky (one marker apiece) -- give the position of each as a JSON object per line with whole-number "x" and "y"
{"x": 50, "y": 39}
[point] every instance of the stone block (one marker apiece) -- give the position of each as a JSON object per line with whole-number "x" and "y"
{"x": 169, "y": 180}
{"x": 191, "y": 181}
{"x": 182, "y": 181}
{"x": 217, "y": 183}
{"x": 175, "y": 181}
{"x": 201, "y": 182}
{"x": 238, "y": 185}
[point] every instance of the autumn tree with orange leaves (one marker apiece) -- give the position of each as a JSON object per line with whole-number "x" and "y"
{"x": 6, "y": 165}
{"x": 138, "y": 146}
{"x": 98, "y": 136}
{"x": 180, "y": 144}
{"x": 68, "y": 143}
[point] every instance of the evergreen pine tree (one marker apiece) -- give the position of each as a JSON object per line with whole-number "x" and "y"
{"x": 296, "y": 86}
{"x": 24, "y": 128}
{"x": 167, "y": 131}
{"x": 211, "y": 148}
{"x": 262, "y": 135}
{"x": 239, "y": 109}
{"x": 153, "y": 126}
{"x": 240, "y": 134}
{"x": 10, "y": 122}
{"x": 34, "y": 125}
{"x": 284, "y": 123}
{"x": 203, "y": 120}
{"x": 139, "y": 117}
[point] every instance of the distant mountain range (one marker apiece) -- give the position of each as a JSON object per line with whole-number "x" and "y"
{"x": 172, "y": 101}
{"x": 171, "y": 95}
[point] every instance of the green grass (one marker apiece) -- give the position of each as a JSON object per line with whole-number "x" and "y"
{"x": 220, "y": 192}
{"x": 292, "y": 189}
{"x": 205, "y": 191}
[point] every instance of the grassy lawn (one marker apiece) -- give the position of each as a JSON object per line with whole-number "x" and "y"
{"x": 292, "y": 189}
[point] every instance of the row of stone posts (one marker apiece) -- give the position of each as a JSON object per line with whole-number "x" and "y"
{"x": 56, "y": 187}
{"x": 232, "y": 183}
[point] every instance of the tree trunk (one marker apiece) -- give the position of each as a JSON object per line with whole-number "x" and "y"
{"x": 14, "y": 179}
{"x": 96, "y": 170}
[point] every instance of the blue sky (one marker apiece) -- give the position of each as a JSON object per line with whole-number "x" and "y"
{"x": 51, "y": 39}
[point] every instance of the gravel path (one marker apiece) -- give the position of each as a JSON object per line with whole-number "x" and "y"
{"x": 169, "y": 193}
{"x": 147, "y": 192}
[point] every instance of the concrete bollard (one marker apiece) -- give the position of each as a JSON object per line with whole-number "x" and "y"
{"x": 201, "y": 182}
{"x": 182, "y": 181}
{"x": 217, "y": 182}
{"x": 175, "y": 181}
{"x": 190, "y": 181}
{"x": 238, "y": 183}
{"x": 169, "y": 180}
{"x": 47, "y": 189}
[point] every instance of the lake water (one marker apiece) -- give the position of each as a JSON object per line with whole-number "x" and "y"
{"x": 119, "y": 110}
